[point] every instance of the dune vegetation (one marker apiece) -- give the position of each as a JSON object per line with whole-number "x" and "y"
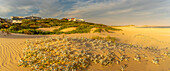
{"x": 32, "y": 26}
{"x": 77, "y": 53}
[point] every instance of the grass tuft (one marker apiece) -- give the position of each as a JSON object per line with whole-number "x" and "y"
{"x": 108, "y": 38}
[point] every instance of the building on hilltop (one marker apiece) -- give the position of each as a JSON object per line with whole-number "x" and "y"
{"x": 18, "y": 19}
{"x": 78, "y": 20}
{"x": 33, "y": 18}
{"x": 2, "y": 20}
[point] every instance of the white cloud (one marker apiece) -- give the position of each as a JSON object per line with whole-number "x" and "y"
{"x": 119, "y": 11}
{"x": 4, "y": 10}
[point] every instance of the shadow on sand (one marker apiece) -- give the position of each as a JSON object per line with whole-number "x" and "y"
{"x": 13, "y": 35}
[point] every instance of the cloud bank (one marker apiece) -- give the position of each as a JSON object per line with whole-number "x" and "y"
{"x": 110, "y": 12}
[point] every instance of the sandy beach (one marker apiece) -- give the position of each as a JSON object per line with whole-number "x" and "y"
{"x": 11, "y": 47}
{"x": 156, "y": 37}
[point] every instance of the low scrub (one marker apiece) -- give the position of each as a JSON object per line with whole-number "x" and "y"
{"x": 108, "y": 38}
{"x": 30, "y": 26}
{"x": 98, "y": 30}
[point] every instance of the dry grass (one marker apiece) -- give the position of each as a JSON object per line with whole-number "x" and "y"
{"x": 69, "y": 29}
{"x": 108, "y": 38}
{"x": 49, "y": 29}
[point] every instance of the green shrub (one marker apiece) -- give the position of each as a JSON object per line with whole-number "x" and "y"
{"x": 3, "y": 30}
{"x": 34, "y": 26}
{"x": 85, "y": 28}
{"x": 31, "y": 31}
{"x": 106, "y": 30}
{"x": 25, "y": 31}
{"x": 4, "y": 25}
{"x": 0, "y": 25}
{"x": 13, "y": 28}
{"x": 108, "y": 38}
{"x": 56, "y": 30}
{"x": 98, "y": 30}
{"x": 97, "y": 37}
{"x": 12, "y": 31}
{"x": 25, "y": 26}
{"x": 52, "y": 23}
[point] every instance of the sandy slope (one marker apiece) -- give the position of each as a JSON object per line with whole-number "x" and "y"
{"x": 49, "y": 29}
{"x": 10, "y": 52}
{"x": 92, "y": 30}
{"x": 11, "y": 48}
{"x": 69, "y": 29}
{"x": 155, "y": 37}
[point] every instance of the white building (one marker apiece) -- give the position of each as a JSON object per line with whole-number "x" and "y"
{"x": 16, "y": 21}
{"x": 78, "y": 20}
{"x": 33, "y": 18}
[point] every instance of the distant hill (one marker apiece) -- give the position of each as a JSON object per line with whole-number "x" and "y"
{"x": 32, "y": 26}
{"x": 4, "y": 20}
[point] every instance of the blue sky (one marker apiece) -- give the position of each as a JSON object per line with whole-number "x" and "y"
{"x": 110, "y": 12}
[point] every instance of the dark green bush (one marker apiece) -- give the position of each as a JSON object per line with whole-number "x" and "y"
{"x": 85, "y": 28}
{"x": 14, "y": 28}
{"x": 30, "y": 31}
{"x": 98, "y": 30}
{"x": 26, "y": 31}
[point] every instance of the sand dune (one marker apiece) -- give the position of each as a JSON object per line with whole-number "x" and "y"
{"x": 11, "y": 48}
{"x": 49, "y": 29}
{"x": 92, "y": 30}
{"x": 153, "y": 37}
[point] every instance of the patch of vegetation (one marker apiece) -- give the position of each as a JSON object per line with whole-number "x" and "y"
{"x": 110, "y": 28}
{"x": 107, "y": 29}
{"x": 31, "y": 26}
{"x": 98, "y": 30}
{"x": 108, "y": 38}
{"x": 97, "y": 37}
{"x": 81, "y": 29}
